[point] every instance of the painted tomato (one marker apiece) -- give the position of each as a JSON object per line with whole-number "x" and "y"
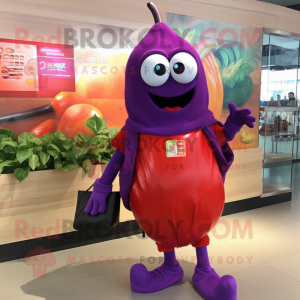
{"x": 47, "y": 126}
{"x": 73, "y": 120}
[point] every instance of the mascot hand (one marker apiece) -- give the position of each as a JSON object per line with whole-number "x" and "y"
{"x": 236, "y": 120}
{"x": 97, "y": 202}
{"x": 240, "y": 117}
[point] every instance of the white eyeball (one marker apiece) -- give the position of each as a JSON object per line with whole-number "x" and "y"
{"x": 183, "y": 67}
{"x": 155, "y": 70}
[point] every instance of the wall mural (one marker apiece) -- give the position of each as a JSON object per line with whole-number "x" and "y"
{"x": 231, "y": 55}
{"x": 93, "y": 80}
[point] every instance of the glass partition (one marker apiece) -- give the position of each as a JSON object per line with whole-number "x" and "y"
{"x": 279, "y": 111}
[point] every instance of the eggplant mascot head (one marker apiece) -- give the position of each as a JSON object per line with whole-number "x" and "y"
{"x": 165, "y": 85}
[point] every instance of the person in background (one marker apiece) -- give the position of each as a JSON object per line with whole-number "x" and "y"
{"x": 291, "y": 96}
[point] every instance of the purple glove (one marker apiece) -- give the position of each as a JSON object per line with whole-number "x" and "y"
{"x": 103, "y": 185}
{"x": 97, "y": 202}
{"x": 236, "y": 120}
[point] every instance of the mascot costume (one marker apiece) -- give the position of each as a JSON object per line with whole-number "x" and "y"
{"x": 174, "y": 156}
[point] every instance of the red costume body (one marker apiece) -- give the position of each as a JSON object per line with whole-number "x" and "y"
{"x": 176, "y": 200}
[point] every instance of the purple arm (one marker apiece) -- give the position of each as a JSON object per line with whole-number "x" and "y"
{"x": 103, "y": 185}
{"x": 236, "y": 120}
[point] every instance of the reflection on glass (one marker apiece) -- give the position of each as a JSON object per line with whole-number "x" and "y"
{"x": 280, "y": 71}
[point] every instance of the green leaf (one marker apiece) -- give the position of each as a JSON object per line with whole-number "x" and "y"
{"x": 25, "y": 138}
{"x": 236, "y": 51}
{"x": 22, "y": 173}
{"x": 23, "y": 153}
{"x": 247, "y": 68}
{"x": 7, "y": 163}
{"x": 70, "y": 167}
{"x": 246, "y": 54}
{"x": 113, "y": 131}
{"x": 231, "y": 83}
{"x": 78, "y": 153}
{"x": 54, "y": 147}
{"x": 87, "y": 164}
{"x": 44, "y": 157}
{"x": 253, "y": 62}
{"x": 57, "y": 164}
{"x": 96, "y": 124}
{"x": 2, "y": 157}
{"x": 53, "y": 153}
{"x": 80, "y": 142}
{"x": 9, "y": 149}
{"x": 67, "y": 154}
{"x": 67, "y": 145}
{"x": 229, "y": 53}
{"x": 105, "y": 160}
{"x": 47, "y": 137}
{"x": 49, "y": 164}
{"x": 59, "y": 136}
{"x": 224, "y": 56}
{"x": 242, "y": 75}
{"x": 33, "y": 161}
{"x": 37, "y": 141}
{"x": 9, "y": 133}
{"x": 8, "y": 142}
{"x": 78, "y": 135}
{"x": 88, "y": 138}
{"x": 4, "y": 137}
{"x": 37, "y": 149}
{"x": 189, "y": 37}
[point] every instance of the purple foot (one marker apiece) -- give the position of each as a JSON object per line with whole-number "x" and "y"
{"x": 143, "y": 281}
{"x": 212, "y": 287}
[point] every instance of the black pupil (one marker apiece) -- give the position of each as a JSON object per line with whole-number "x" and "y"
{"x": 178, "y": 68}
{"x": 160, "y": 69}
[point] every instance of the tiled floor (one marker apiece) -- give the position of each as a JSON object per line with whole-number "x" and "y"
{"x": 266, "y": 263}
{"x": 265, "y": 260}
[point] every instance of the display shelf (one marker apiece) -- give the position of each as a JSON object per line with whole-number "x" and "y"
{"x": 270, "y": 189}
{"x": 277, "y": 157}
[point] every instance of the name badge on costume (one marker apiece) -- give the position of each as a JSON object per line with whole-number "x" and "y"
{"x": 176, "y": 148}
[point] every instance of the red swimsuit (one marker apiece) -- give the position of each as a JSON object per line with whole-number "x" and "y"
{"x": 177, "y": 195}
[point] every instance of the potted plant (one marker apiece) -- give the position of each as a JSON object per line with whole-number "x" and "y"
{"x": 25, "y": 153}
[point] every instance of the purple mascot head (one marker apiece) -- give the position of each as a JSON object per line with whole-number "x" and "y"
{"x": 165, "y": 85}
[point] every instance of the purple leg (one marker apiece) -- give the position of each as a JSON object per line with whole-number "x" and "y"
{"x": 170, "y": 259}
{"x": 209, "y": 283}
{"x": 144, "y": 281}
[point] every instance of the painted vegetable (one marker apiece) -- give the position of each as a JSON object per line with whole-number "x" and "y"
{"x": 108, "y": 82}
{"x": 236, "y": 66}
{"x": 113, "y": 110}
{"x": 213, "y": 76}
{"x": 47, "y": 126}
{"x": 248, "y": 139}
{"x": 74, "y": 118}
{"x": 103, "y": 90}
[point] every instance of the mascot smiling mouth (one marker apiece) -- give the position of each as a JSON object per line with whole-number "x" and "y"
{"x": 173, "y": 103}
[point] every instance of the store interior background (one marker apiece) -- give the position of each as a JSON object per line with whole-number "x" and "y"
{"x": 275, "y": 248}
{"x": 280, "y": 70}
{"x": 280, "y": 58}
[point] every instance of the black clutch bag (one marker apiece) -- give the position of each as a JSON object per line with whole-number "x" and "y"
{"x": 105, "y": 221}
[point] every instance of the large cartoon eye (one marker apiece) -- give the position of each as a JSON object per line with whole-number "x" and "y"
{"x": 155, "y": 70}
{"x": 183, "y": 67}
